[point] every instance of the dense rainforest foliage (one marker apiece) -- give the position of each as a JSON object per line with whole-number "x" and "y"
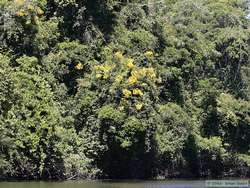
{"x": 124, "y": 89}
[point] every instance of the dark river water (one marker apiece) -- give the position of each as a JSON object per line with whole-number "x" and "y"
{"x": 105, "y": 184}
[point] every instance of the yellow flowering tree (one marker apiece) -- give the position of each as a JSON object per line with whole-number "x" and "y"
{"x": 121, "y": 92}
{"x": 125, "y": 78}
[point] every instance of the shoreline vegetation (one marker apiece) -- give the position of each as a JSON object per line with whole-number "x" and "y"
{"x": 115, "y": 89}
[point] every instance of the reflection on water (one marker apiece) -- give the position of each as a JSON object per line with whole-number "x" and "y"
{"x": 105, "y": 184}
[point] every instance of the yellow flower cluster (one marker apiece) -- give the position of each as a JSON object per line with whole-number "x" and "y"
{"x": 149, "y": 54}
{"x": 144, "y": 72}
{"x": 118, "y": 78}
{"x": 103, "y": 71}
{"x": 21, "y": 13}
{"x": 119, "y": 55}
{"x": 141, "y": 73}
{"x": 130, "y": 63}
{"x": 126, "y": 93}
{"x": 98, "y": 75}
{"x": 137, "y": 92}
{"x": 39, "y": 11}
{"x": 150, "y": 72}
{"x": 29, "y": 10}
{"x": 31, "y": 7}
{"x": 132, "y": 80}
{"x": 79, "y": 66}
{"x": 19, "y": 2}
{"x": 138, "y": 106}
{"x": 121, "y": 108}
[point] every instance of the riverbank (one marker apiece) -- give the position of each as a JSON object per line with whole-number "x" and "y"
{"x": 108, "y": 184}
